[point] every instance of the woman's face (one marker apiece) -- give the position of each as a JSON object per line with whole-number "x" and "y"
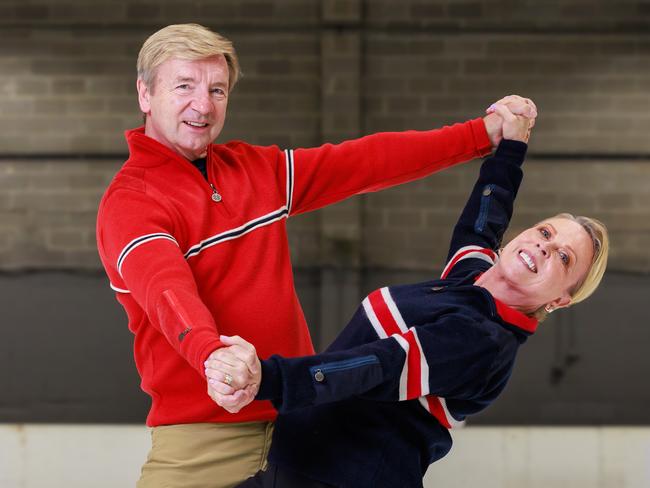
{"x": 545, "y": 262}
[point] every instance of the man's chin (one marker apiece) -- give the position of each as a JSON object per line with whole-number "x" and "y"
{"x": 195, "y": 151}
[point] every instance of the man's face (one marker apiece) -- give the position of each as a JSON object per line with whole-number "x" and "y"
{"x": 186, "y": 106}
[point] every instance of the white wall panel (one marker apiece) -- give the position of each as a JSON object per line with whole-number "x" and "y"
{"x": 110, "y": 456}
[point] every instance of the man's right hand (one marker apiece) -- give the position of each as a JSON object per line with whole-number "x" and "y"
{"x": 234, "y": 373}
{"x": 515, "y": 127}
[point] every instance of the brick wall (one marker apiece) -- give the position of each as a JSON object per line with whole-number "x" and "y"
{"x": 413, "y": 227}
{"x": 319, "y": 71}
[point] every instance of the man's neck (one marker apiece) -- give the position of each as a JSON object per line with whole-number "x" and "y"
{"x": 149, "y": 131}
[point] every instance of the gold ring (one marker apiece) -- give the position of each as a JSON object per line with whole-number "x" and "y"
{"x": 227, "y": 379}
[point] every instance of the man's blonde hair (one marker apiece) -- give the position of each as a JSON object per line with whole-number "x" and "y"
{"x": 188, "y": 42}
{"x": 600, "y": 242}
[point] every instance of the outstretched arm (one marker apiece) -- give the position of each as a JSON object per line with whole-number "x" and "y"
{"x": 333, "y": 172}
{"x": 395, "y": 368}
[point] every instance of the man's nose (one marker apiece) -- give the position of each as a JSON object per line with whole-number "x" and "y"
{"x": 202, "y": 103}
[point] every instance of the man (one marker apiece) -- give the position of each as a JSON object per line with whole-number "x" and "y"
{"x": 192, "y": 236}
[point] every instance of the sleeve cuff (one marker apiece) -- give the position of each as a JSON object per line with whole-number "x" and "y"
{"x": 481, "y": 139}
{"x": 209, "y": 347}
{"x": 513, "y": 151}
{"x": 271, "y": 385}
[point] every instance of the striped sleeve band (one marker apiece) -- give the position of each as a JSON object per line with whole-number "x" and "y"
{"x": 118, "y": 290}
{"x": 387, "y": 321}
{"x": 469, "y": 252}
{"x": 137, "y": 242}
{"x": 437, "y": 406}
{"x": 288, "y": 153}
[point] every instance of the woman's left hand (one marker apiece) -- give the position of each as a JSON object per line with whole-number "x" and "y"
{"x": 515, "y": 127}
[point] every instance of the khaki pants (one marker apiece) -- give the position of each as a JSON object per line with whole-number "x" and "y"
{"x": 205, "y": 455}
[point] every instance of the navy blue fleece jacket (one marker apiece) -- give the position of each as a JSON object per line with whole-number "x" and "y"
{"x": 375, "y": 409}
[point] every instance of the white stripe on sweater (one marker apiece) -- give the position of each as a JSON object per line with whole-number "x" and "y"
{"x": 137, "y": 242}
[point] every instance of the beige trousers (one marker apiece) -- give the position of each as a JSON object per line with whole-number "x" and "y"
{"x": 205, "y": 455}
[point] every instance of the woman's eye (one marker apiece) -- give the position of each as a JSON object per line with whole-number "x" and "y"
{"x": 184, "y": 86}
{"x": 564, "y": 257}
{"x": 545, "y": 233}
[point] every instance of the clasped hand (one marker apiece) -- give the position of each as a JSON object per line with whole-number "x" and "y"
{"x": 512, "y": 117}
{"x": 234, "y": 373}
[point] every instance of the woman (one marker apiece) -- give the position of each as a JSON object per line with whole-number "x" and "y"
{"x": 375, "y": 409}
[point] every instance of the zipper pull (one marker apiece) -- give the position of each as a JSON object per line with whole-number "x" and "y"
{"x": 216, "y": 197}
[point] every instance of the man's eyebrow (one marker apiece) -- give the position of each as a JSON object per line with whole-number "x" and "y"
{"x": 183, "y": 79}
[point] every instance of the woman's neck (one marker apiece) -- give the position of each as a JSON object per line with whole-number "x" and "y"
{"x": 499, "y": 287}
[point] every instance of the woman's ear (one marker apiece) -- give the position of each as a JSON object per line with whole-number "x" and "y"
{"x": 561, "y": 302}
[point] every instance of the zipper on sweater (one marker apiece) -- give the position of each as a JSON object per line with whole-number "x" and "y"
{"x": 216, "y": 196}
{"x": 346, "y": 364}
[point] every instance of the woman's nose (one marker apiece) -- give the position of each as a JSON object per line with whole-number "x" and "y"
{"x": 542, "y": 249}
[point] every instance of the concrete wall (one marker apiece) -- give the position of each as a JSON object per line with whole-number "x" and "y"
{"x": 109, "y": 456}
{"x": 66, "y": 352}
{"x": 320, "y": 71}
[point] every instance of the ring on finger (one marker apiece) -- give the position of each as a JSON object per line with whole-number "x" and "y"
{"x": 227, "y": 379}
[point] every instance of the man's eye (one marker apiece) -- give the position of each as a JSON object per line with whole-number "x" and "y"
{"x": 217, "y": 91}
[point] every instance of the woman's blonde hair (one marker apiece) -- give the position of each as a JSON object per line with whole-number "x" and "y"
{"x": 185, "y": 41}
{"x": 600, "y": 241}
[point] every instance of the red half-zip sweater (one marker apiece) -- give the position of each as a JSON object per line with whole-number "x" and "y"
{"x": 188, "y": 266}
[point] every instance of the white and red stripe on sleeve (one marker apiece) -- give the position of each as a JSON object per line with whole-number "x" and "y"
{"x": 437, "y": 406}
{"x": 387, "y": 321}
{"x": 467, "y": 252}
{"x": 385, "y": 318}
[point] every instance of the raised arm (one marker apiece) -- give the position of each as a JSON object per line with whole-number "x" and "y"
{"x": 488, "y": 211}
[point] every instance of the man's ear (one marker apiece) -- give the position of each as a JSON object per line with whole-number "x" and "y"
{"x": 143, "y": 96}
